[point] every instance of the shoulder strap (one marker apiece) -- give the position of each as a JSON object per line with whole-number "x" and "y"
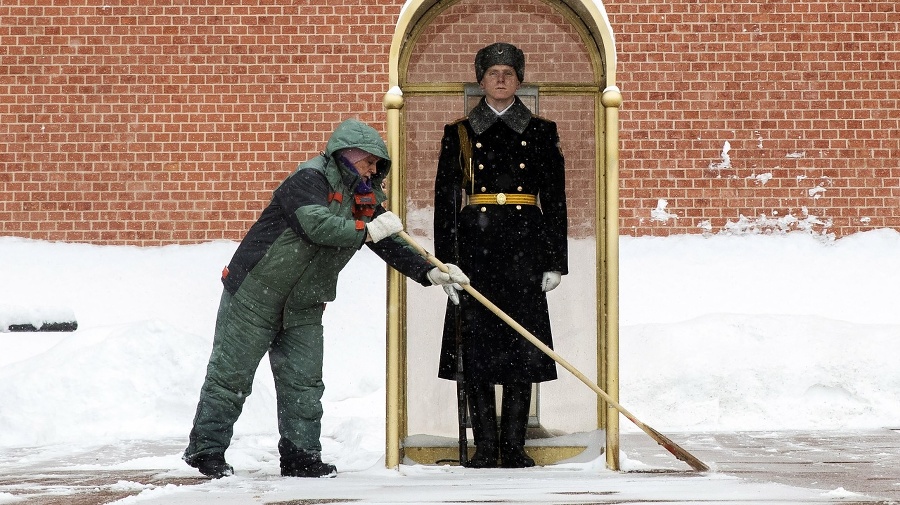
{"x": 465, "y": 152}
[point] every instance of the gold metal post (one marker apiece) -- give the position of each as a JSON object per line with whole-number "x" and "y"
{"x": 611, "y": 100}
{"x": 395, "y": 380}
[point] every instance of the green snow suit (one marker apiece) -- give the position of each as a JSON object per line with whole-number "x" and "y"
{"x": 275, "y": 289}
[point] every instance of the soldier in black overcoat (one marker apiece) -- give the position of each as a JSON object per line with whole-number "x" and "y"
{"x": 500, "y": 214}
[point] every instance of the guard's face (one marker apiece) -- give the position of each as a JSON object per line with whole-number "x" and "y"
{"x": 500, "y": 82}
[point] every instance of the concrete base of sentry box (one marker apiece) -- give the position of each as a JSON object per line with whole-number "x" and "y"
{"x": 546, "y": 450}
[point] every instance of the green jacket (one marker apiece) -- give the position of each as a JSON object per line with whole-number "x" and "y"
{"x": 287, "y": 265}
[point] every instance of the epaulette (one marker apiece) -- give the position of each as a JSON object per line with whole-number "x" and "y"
{"x": 460, "y": 120}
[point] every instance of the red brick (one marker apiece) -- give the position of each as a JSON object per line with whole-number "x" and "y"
{"x": 214, "y": 105}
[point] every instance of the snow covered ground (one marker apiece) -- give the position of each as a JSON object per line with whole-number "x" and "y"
{"x": 718, "y": 334}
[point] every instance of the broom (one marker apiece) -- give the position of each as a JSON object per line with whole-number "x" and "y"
{"x": 661, "y": 439}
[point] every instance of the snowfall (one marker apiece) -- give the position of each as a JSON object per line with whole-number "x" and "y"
{"x": 719, "y": 332}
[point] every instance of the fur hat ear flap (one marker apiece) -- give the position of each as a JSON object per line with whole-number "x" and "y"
{"x": 499, "y": 53}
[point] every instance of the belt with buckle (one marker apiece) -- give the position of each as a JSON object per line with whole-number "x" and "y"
{"x": 502, "y": 199}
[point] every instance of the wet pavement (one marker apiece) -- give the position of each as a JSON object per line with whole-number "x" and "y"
{"x": 857, "y": 467}
{"x": 865, "y": 462}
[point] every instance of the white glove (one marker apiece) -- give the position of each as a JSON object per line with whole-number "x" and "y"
{"x": 451, "y": 290}
{"x": 454, "y": 275}
{"x": 550, "y": 281}
{"x": 383, "y": 226}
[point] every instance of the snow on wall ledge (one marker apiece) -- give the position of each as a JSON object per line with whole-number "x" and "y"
{"x": 21, "y": 318}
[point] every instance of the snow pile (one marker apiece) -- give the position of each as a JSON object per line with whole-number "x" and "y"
{"x": 717, "y": 333}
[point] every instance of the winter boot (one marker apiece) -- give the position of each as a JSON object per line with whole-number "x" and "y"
{"x": 211, "y": 465}
{"x": 296, "y": 462}
{"x": 483, "y": 412}
{"x": 513, "y": 424}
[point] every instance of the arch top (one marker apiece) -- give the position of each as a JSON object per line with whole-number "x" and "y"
{"x": 592, "y": 14}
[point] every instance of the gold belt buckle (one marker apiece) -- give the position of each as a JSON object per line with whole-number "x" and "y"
{"x": 501, "y": 198}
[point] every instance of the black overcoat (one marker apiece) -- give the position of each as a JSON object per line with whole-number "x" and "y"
{"x": 504, "y": 249}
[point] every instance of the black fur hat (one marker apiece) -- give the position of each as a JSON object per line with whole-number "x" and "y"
{"x": 499, "y": 53}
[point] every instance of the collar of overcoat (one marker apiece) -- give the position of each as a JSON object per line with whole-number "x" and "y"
{"x": 483, "y": 117}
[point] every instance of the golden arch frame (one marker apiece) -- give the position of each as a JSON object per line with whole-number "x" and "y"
{"x": 590, "y": 19}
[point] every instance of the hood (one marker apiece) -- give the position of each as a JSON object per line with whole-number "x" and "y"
{"x": 355, "y": 133}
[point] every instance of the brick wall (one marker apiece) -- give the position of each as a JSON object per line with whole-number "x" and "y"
{"x": 172, "y": 123}
{"x": 123, "y": 123}
{"x": 804, "y": 92}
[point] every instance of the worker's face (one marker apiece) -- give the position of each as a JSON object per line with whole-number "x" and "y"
{"x": 367, "y": 166}
{"x": 500, "y": 82}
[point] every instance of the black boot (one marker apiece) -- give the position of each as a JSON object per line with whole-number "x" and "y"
{"x": 513, "y": 424}
{"x": 211, "y": 465}
{"x": 483, "y": 412}
{"x": 296, "y": 462}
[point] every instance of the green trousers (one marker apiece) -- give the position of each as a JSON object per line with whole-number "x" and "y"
{"x": 243, "y": 335}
